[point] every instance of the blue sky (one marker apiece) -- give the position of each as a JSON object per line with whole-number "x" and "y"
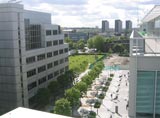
{"x": 90, "y": 13}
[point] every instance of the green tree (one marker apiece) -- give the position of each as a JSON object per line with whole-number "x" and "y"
{"x": 80, "y": 44}
{"x": 54, "y": 88}
{"x": 70, "y": 42}
{"x": 90, "y": 43}
{"x": 62, "y": 107}
{"x": 73, "y": 96}
{"x": 98, "y": 42}
{"x": 87, "y": 79}
{"x": 81, "y": 86}
{"x": 42, "y": 96}
{"x": 118, "y": 48}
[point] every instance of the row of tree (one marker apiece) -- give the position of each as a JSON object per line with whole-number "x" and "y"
{"x": 65, "y": 106}
{"x": 55, "y": 88}
{"x": 75, "y": 45}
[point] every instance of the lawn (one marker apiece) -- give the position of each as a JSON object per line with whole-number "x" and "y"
{"x": 79, "y": 63}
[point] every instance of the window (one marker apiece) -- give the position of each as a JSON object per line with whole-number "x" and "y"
{"x": 50, "y": 65}
{"x": 32, "y": 85}
{"x": 61, "y": 70}
{"x": 60, "y": 41}
{"x": 55, "y": 63}
{"x": 56, "y": 73}
{"x": 55, "y": 42}
{"x": 61, "y": 51}
{"x": 49, "y": 43}
{"x": 30, "y": 60}
{"x": 42, "y": 80}
{"x": 61, "y": 61}
{"x": 66, "y": 50}
{"x": 49, "y": 54}
{"x": 55, "y": 53}
{"x": 50, "y": 76}
{"x": 41, "y": 57}
{"x": 55, "y": 32}
{"x": 41, "y": 69}
{"x": 31, "y": 72}
{"x": 48, "y": 32}
{"x": 66, "y": 59}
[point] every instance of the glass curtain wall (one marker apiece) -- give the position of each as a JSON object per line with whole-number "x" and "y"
{"x": 148, "y": 94}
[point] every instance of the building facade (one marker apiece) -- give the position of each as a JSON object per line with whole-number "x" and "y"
{"x": 105, "y": 26}
{"x": 144, "y": 89}
{"x": 118, "y": 27}
{"x": 128, "y": 25}
{"x": 32, "y": 54}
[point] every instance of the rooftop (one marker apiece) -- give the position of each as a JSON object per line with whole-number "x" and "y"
{"x": 152, "y": 14}
{"x": 30, "y": 113}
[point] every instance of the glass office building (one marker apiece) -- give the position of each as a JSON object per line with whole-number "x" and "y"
{"x": 144, "y": 91}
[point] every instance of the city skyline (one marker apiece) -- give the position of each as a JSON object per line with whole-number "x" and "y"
{"x": 86, "y": 13}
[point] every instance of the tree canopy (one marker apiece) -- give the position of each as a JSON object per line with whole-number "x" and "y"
{"x": 62, "y": 107}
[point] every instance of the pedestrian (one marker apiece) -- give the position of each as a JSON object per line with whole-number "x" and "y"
{"x": 111, "y": 96}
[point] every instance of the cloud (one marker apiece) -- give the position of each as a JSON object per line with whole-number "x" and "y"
{"x": 83, "y": 13}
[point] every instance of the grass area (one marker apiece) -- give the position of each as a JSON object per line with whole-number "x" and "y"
{"x": 79, "y": 63}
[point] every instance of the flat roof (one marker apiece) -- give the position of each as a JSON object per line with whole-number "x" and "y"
{"x": 30, "y": 113}
{"x": 153, "y": 13}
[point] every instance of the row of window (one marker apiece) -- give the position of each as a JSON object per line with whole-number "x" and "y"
{"x": 52, "y": 32}
{"x": 54, "y": 43}
{"x": 44, "y": 79}
{"x": 40, "y": 69}
{"x": 43, "y": 56}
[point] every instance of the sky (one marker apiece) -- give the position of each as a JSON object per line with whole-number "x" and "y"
{"x": 90, "y": 13}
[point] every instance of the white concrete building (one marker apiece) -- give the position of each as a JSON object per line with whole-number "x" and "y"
{"x": 32, "y": 54}
{"x": 144, "y": 89}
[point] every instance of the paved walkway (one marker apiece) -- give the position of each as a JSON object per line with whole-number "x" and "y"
{"x": 118, "y": 89}
{"x": 117, "y": 95}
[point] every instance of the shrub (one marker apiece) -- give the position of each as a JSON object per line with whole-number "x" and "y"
{"x": 111, "y": 75}
{"x": 97, "y": 104}
{"x": 105, "y": 89}
{"x": 92, "y": 114}
{"x": 109, "y": 79}
{"x": 101, "y": 96}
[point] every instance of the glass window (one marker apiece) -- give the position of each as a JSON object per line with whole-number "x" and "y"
{"x": 55, "y": 32}
{"x": 61, "y": 51}
{"x": 48, "y": 32}
{"x": 66, "y": 59}
{"x": 60, "y": 41}
{"x": 61, "y": 70}
{"x": 145, "y": 92}
{"x": 50, "y": 65}
{"x": 56, "y": 73}
{"x": 49, "y": 54}
{"x": 42, "y": 80}
{"x": 55, "y": 42}
{"x": 32, "y": 85}
{"x": 66, "y": 50}
{"x": 49, "y": 43}
{"x": 41, "y": 57}
{"x": 31, "y": 73}
{"x": 61, "y": 61}
{"x": 50, "y": 76}
{"x": 55, "y": 52}
{"x": 30, "y": 59}
{"x": 41, "y": 69}
{"x": 56, "y": 63}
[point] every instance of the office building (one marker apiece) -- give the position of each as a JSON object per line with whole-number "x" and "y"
{"x": 105, "y": 26}
{"x": 128, "y": 25}
{"x": 118, "y": 27}
{"x": 32, "y": 54}
{"x": 144, "y": 89}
